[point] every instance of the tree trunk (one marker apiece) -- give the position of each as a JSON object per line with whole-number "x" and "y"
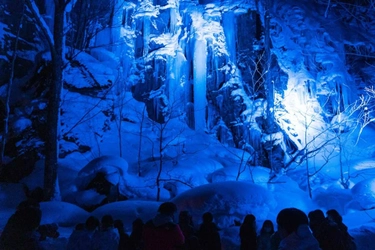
{"x": 53, "y": 115}
{"x": 160, "y": 163}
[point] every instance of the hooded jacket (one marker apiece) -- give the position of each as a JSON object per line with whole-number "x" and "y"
{"x": 302, "y": 239}
{"x": 161, "y": 233}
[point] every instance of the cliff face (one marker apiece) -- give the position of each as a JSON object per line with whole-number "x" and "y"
{"x": 217, "y": 47}
{"x": 205, "y": 61}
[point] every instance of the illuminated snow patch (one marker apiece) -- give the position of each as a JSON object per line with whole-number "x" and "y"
{"x": 364, "y": 193}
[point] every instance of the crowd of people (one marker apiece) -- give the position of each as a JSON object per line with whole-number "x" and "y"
{"x": 295, "y": 231}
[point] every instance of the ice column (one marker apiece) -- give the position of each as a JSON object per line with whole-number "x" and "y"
{"x": 116, "y": 27}
{"x": 229, "y": 26}
{"x": 200, "y": 65}
{"x": 146, "y": 34}
{"x": 177, "y": 79}
{"x": 173, "y": 24}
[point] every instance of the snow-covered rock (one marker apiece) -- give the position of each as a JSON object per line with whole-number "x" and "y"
{"x": 113, "y": 167}
{"x": 63, "y": 213}
{"x": 229, "y": 201}
{"x": 128, "y": 211}
{"x": 21, "y": 124}
{"x": 363, "y": 193}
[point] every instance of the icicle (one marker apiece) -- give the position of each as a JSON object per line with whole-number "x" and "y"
{"x": 173, "y": 21}
{"x": 200, "y": 65}
{"x": 146, "y": 34}
{"x": 176, "y": 75}
{"x": 229, "y": 26}
{"x": 179, "y": 72}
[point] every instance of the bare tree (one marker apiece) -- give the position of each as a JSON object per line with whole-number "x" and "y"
{"x": 8, "y": 92}
{"x": 332, "y": 141}
{"x": 56, "y": 44}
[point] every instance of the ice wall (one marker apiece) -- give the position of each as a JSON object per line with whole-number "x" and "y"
{"x": 209, "y": 56}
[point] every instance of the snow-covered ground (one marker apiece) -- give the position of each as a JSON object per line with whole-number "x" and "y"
{"x": 201, "y": 179}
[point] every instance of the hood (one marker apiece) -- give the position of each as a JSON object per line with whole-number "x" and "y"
{"x": 161, "y": 219}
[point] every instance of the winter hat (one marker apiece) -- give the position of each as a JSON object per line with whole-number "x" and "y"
{"x": 167, "y": 208}
{"x": 290, "y": 219}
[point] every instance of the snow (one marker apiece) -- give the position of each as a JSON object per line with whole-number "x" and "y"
{"x": 128, "y": 211}
{"x": 199, "y": 174}
{"x": 229, "y": 201}
{"x": 364, "y": 193}
{"x": 113, "y": 167}
{"x": 21, "y": 124}
{"x": 72, "y": 215}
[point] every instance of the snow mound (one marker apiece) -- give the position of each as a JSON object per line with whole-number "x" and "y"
{"x": 363, "y": 193}
{"x": 228, "y": 201}
{"x": 128, "y": 211}
{"x": 256, "y": 174}
{"x": 63, "y": 213}
{"x": 114, "y": 168}
{"x": 364, "y": 236}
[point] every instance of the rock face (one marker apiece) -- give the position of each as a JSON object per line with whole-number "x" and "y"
{"x": 218, "y": 50}
{"x": 201, "y": 60}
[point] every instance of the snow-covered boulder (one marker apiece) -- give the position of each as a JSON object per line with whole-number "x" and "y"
{"x": 21, "y": 124}
{"x": 228, "y": 201}
{"x": 63, "y": 213}
{"x": 113, "y": 167}
{"x": 363, "y": 193}
{"x": 128, "y": 211}
{"x": 112, "y": 170}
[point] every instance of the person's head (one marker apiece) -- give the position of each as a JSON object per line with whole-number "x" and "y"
{"x": 289, "y": 219}
{"x": 334, "y": 216}
{"x": 249, "y": 220}
{"x": 107, "y": 221}
{"x": 185, "y": 218}
{"x": 168, "y": 209}
{"x": 91, "y": 223}
{"x": 316, "y": 217}
{"x": 207, "y": 217}
{"x": 267, "y": 227}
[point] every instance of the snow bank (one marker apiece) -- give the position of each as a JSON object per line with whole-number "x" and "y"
{"x": 62, "y": 213}
{"x": 253, "y": 174}
{"x": 363, "y": 193}
{"x": 228, "y": 201}
{"x": 128, "y": 211}
{"x": 364, "y": 237}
